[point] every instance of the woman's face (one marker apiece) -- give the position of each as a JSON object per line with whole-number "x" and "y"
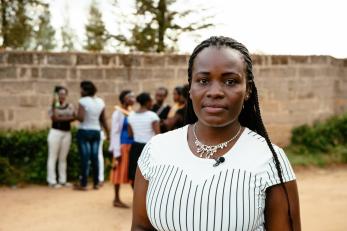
{"x": 129, "y": 99}
{"x": 62, "y": 95}
{"x": 218, "y": 87}
{"x": 149, "y": 104}
{"x": 83, "y": 93}
{"x": 176, "y": 96}
{"x": 160, "y": 96}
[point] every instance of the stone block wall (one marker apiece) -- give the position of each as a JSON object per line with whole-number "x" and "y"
{"x": 293, "y": 90}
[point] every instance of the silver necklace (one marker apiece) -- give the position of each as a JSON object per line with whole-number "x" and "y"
{"x": 207, "y": 151}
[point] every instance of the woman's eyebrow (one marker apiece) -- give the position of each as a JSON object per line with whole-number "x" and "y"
{"x": 231, "y": 73}
{"x": 223, "y": 74}
{"x": 202, "y": 73}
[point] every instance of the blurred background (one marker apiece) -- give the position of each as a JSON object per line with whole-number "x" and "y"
{"x": 299, "y": 52}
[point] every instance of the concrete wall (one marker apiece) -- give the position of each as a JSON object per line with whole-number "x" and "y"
{"x": 293, "y": 90}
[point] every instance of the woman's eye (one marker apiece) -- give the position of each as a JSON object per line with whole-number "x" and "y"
{"x": 230, "y": 82}
{"x": 203, "y": 81}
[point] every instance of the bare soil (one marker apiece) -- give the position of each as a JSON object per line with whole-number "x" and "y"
{"x": 323, "y": 197}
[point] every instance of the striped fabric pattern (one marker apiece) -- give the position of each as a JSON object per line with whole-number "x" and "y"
{"x": 188, "y": 193}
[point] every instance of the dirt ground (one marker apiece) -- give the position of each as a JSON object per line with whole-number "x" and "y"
{"x": 323, "y": 196}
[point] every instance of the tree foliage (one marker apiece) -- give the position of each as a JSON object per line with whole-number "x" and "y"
{"x": 16, "y": 29}
{"x": 44, "y": 35}
{"x": 157, "y": 26}
{"x": 95, "y": 30}
{"x": 24, "y": 25}
{"x": 68, "y": 37}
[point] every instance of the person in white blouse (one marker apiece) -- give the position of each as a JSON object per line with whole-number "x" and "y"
{"x": 143, "y": 125}
{"x": 220, "y": 171}
{"x": 120, "y": 143}
{"x": 91, "y": 114}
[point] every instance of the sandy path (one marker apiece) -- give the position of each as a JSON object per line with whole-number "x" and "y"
{"x": 323, "y": 195}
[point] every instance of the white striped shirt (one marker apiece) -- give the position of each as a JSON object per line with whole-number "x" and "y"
{"x": 187, "y": 193}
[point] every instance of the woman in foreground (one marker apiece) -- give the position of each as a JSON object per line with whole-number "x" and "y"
{"x": 219, "y": 172}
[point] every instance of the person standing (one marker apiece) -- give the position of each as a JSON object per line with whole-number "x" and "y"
{"x": 178, "y": 101}
{"x": 220, "y": 171}
{"x": 91, "y": 114}
{"x": 160, "y": 107}
{"x": 120, "y": 143}
{"x": 177, "y": 120}
{"x": 101, "y": 159}
{"x": 59, "y": 137}
{"x": 143, "y": 125}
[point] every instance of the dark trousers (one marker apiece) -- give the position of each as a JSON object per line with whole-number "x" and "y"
{"x": 134, "y": 155}
{"x": 88, "y": 147}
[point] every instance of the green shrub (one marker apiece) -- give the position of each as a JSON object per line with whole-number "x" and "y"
{"x": 320, "y": 144}
{"x": 322, "y": 136}
{"x": 23, "y": 157}
{"x": 8, "y": 174}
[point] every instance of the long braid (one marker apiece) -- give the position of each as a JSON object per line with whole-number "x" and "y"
{"x": 250, "y": 115}
{"x": 262, "y": 131}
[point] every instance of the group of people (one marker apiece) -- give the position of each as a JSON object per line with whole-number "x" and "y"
{"x": 213, "y": 168}
{"x": 129, "y": 132}
{"x": 91, "y": 115}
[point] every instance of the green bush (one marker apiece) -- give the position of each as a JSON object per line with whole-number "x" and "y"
{"x": 322, "y": 136}
{"x": 8, "y": 174}
{"x": 23, "y": 157}
{"x": 320, "y": 144}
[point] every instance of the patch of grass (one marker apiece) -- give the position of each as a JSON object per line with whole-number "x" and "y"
{"x": 301, "y": 156}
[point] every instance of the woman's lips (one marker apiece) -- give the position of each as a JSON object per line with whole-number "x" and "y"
{"x": 213, "y": 109}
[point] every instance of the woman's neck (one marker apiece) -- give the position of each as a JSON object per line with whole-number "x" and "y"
{"x": 142, "y": 109}
{"x": 211, "y": 135}
{"x": 180, "y": 105}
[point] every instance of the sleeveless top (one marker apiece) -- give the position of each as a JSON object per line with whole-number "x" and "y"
{"x": 62, "y": 110}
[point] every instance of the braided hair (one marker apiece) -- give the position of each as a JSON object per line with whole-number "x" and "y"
{"x": 250, "y": 115}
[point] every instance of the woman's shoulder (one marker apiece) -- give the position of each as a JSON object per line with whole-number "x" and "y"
{"x": 117, "y": 113}
{"x": 253, "y": 137}
{"x": 120, "y": 110}
{"x": 84, "y": 99}
{"x": 99, "y": 100}
{"x": 172, "y": 136}
{"x": 256, "y": 143}
{"x": 163, "y": 147}
{"x": 150, "y": 115}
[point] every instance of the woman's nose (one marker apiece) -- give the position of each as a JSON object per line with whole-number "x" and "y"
{"x": 215, "y": 90}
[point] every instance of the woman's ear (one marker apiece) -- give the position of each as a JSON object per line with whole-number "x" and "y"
{"x": 248, "y": 91}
